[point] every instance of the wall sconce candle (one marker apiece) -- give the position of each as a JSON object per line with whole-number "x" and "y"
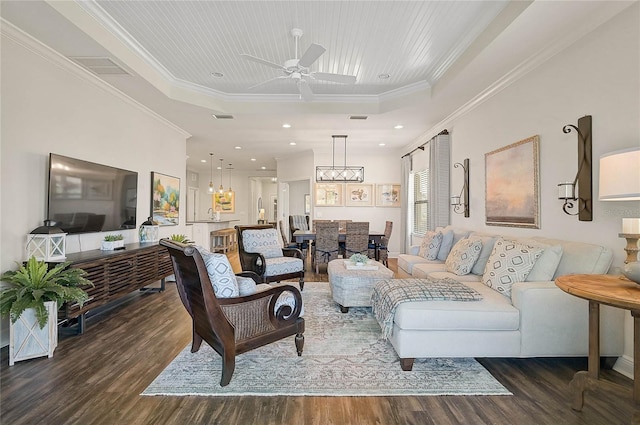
{"x": 580, "y": 189}
{"x": 460, "y": 203}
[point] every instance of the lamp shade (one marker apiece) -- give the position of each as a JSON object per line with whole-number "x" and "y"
{"x": 620, "y": 175}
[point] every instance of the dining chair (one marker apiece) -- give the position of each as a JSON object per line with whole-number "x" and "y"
{"x": 326, "y": 247}
{"x": 285, "y": 242}
{"x": 383, "y": 248}
{"x": 356, "y": 238}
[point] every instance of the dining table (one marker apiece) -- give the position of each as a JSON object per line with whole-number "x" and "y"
{"x": 300, "y": 236}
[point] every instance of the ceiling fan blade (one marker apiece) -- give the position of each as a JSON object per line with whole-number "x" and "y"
{"x": 266, "y": 82}
{"x": 262, "y": 61}
{"x": 305, "y": 91}
{"x": 336, "y": 78}
{"x": 311, "y": 55}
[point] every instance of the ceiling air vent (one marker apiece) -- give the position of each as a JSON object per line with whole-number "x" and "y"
{"x": 100, "y": 65}
{"x": 358, "y": 117}
{"x": 222, "y": 117}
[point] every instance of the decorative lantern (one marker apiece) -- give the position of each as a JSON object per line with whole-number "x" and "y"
{"x": 47, "y": 243}
{"x": 149, "y": 231}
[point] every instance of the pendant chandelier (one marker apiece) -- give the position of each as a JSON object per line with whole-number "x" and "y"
{"x": 230, "y": 191}
{"x": 344, "y": 173}
{"x": 221, "y": 189}
{"x": 211, "y": 189}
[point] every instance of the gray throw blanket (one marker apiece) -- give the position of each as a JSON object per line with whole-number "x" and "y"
{"x": 388, "y": 294}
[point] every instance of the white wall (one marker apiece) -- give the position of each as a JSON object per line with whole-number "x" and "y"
{"x": 50, "y": 105}
{"x": 599, "y": 76}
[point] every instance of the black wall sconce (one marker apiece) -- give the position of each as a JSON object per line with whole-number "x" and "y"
{"x": 581, "y": 189}
{"x": 460, "y": 203}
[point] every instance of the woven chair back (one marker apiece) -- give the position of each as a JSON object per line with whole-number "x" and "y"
{"x": 357, "y": 238}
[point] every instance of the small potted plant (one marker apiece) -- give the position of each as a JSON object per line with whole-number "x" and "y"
{"x": 359, "y": 259}
{"x": 112, "y": 242}
{"x": 181, "y": 239}
{"x": 31, "y": 301}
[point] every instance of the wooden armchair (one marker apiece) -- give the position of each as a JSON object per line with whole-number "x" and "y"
{"x": 232, "y": 326}
{"x": 261, "y": 252}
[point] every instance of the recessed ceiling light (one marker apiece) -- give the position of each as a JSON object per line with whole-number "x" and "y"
{"x": 218, "y": 168}
{"x": 382, "y": 144}
{"x": 263, "y": 168}
{"x": 398, "y": 127}
{"x": 217, "y": 74}
{"x": 286, "y": 125}
{"x": 203, "y": 160}
{"x": 238, "y": 147}
{"x": 383, "y": 76}
{"x": 292, "y": 143}
{"x": 253, "y": 159}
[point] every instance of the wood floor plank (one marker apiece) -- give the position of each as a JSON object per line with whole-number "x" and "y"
{"x": 97, "y": 378}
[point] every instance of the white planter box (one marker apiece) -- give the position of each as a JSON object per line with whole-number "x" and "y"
{"x": 27, "y": 340}
{"x": 111, "y": 245}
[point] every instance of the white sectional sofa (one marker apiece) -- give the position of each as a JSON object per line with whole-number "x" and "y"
{"x": 537, "y": 319}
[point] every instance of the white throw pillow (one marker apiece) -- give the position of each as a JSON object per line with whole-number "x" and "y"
{"x": 446, "y": 245}
{"x": 510, "y": 262}
{"x": 430, "y": 245}
{"x": 463, "y": 256}
{"x": 263, "y": 241}
{"x": 220, "y": 273}
{"x": 547, "y": 264}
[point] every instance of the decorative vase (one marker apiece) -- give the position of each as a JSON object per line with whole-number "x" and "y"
{"x": 632, "y": 271}
{"x": 27, "y": 340}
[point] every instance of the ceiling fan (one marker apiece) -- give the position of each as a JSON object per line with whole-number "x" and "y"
{"x": 298, "y": 69}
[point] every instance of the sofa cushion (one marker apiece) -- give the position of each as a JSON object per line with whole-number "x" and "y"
{"x": 423, "y": 270}
{"x": 407, "y": 262}
{"x": 510, "y": 262}
{"x": 463, "y": 256}
{"x": 580, "y": 257}
{"x": 430, "y": 245}
{"x": 464, "y": 278}
{"x": 545, "y": 266}
{"x": 220, "y": 273}
{"x": 493, "y": 313}
{"x": 487, "y": 247}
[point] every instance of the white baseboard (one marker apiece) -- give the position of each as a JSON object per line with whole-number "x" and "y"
{"x": 624, "y": 365}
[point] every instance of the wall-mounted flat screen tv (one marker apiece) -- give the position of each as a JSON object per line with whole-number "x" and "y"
{"x": 87, "y": 197}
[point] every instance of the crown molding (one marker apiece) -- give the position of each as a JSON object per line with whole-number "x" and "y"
{"x": 35, "y": 46}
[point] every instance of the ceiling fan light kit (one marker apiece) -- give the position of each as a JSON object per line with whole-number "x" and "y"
{"x": 297, "y": 69}
{"x": 342, "y": 174}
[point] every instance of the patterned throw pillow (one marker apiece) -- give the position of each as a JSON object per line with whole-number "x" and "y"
{"x": 430, "y": 245}
{"x": 220, "y": 274}
{"x": 510, "y": 262}
{"x": 246, "y": 286}
{"x": 463, "y": 256}
{"x": 262, "y": 241}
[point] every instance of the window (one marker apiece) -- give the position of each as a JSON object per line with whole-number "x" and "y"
{"x": 420, "y": 201}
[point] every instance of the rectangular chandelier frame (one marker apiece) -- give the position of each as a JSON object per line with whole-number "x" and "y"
{"x": 345, "y": 173}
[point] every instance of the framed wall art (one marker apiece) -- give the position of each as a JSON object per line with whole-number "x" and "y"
{"x": 388, "y": 195}
{"x": 359, "y": 195}
{"x": 512, "y": 180}
{"x": 225, "y": 202}
{"x": 165, "y": 199}
{"x": 328, "y": 195}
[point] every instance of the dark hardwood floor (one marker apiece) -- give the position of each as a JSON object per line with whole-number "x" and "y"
{"x": 96, "y": 378}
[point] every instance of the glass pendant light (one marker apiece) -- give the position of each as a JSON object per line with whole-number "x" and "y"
{"x": 211, "y": 189}
{"x": 221, "y": 189}
{"x": 230, "y": 191}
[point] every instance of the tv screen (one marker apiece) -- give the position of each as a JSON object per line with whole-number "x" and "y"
{"x": 87, "y": 197}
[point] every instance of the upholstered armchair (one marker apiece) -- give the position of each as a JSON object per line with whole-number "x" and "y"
{"x": 230, "y": 316}
{"x": 261, "y": 252}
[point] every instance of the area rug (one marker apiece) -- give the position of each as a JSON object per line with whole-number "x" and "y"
{"x": 344, "y": 355}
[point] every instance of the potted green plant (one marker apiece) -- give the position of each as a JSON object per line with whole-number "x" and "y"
{"x": 112, "y": 242}
{"x": 180, "y": 238}
{"x": 31, "y": 301}
{"x": 359, "y": 259}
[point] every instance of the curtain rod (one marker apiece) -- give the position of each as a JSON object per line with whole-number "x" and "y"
{"x": 421, "y": 147}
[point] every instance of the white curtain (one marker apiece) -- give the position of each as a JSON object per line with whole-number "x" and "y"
{"x": 439, "y": 166}
{"x": 405, "y": 228}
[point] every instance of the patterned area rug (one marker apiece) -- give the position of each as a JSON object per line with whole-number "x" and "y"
{"x": 343, "y": 356}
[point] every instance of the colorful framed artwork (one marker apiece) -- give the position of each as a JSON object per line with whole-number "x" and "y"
{"x": 165, "y": 199}
{"x": 328, "y": 194}
{"x": 224, "y": 202}
{"x": 359, "y": 195}
{"x": 388, "y": 195}
{"x": 512, "y": 195}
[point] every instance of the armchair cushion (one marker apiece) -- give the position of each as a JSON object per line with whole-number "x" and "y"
{"x": 262, "y": 241}
{"x": 282, "y": 265}
{"x": 220, "y": 273}
{"x": 246, "y": 286}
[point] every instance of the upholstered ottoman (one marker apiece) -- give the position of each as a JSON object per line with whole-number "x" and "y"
{"x": 353, "y": 288}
